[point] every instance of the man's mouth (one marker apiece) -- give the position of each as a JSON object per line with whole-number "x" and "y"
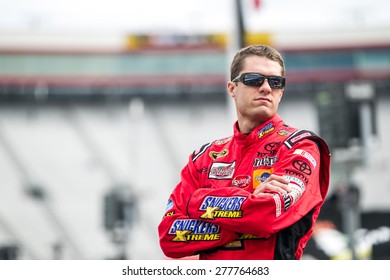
{"x": 263, "y": 99}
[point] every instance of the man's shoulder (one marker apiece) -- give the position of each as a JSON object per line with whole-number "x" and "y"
{"x": 218, "y": 144}
{"x": 299, "y": 135}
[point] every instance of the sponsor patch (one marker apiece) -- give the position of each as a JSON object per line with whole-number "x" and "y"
{"x": 194, "y": 230}
{"x": 295, "y": 181}
{"x": 222, "y": 170}
{"x": 265, "y": 161}
{"x": 222, "y": 207}
{"x": 272, "y": 147}
{"x": 266, "y": 129}
{"x": 233, "y": 203}
{"x": 234, "y": 245}
{"x": 307, "y": 155}
{"x": 247, "y": 236}
{"x": 223, "y": 141}
{"x": 170, "y": 213}
{"x": 278, "y": 205}
{"x": 169, "y": 205}
{"x": 302, "y": 166}
{"x": 283, "y": 132}
{"x": 260, "y": 175}
{"x": 298, "y": 136}
{"x": 238, "y": 244}
{"x": 297, "y": 174}
{"x": 214, "y": 155}
{"x": 241, "y": 181}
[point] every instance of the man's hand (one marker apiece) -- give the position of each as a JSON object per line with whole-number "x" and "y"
{"x": 273, "y": 184}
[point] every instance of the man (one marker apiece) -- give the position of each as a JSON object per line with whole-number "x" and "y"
{"x": 257, "y": 193}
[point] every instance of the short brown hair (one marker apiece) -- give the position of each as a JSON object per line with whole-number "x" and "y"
{"x": 259, "y": 50}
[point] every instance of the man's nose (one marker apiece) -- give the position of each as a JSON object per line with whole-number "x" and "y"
{"x": 265, "y": 86}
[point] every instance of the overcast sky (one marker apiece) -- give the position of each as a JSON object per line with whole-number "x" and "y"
{"x": 189, "y": 16}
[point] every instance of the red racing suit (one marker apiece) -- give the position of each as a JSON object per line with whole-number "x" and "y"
{"x": 212, "y": 211}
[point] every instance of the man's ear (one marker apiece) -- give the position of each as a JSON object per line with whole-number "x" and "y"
{"x": 231, "y": 86}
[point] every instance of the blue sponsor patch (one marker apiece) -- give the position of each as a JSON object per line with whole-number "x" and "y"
{"x": 232, "y": 203}
{"x": 169, "y": 205}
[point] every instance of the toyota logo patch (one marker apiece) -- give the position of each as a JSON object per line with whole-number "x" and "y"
{"x": 302, "y": 167}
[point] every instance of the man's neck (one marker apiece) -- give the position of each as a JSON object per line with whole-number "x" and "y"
{"x": 246, "y": 126}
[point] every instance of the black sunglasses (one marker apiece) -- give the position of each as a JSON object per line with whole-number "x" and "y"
{"x": 256, "y": 80}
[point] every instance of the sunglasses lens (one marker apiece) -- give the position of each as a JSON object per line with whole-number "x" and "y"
{"x": 276, "y": 82}
{"x": 253, "y": 79}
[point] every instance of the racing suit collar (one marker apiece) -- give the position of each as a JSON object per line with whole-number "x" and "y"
{"x": 274, "y": 122}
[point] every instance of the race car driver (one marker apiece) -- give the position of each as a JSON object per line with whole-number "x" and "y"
{"x": 257, "y": 193}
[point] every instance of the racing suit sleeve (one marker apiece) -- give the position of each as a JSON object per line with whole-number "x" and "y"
{"x": 239, "y": 210}
{"x": 182, "y": 236}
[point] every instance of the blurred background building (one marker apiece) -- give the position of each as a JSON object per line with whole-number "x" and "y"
{"x": 102, "y": 102}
